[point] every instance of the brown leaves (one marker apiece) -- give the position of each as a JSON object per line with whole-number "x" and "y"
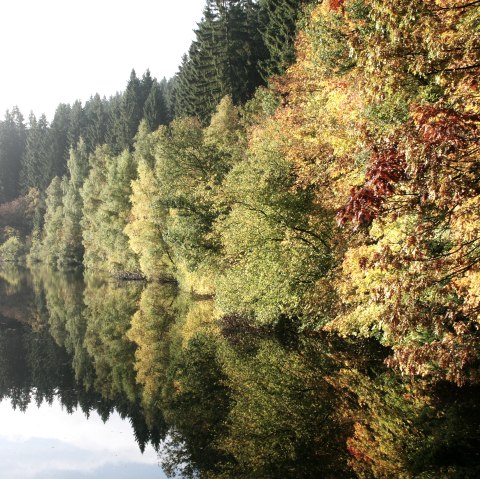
{"x": 387, "y": 168}
{"x": 336, "y": 5}
{"x": 455, "y": 355}
{"x": 439, "y": 126}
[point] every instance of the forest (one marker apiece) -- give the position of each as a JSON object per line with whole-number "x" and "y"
{"x": 311, "y": 163}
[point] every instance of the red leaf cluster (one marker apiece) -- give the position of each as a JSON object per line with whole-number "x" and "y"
{"x": 336, "y": 5}
{"x": 444, "y": 127}
{"x": 365, "y": 202}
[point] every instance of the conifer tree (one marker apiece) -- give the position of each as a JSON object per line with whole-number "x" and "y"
{"x": 114, "y": 132}
{"x": 167, "y": 87}
{"x": 12, "y": 145}
{"x": 280, "y": 18}
{"x": 155, "y": 110}
{"x": 39, "y": 158}
{"x": 77, "y": 124}
{"x": 132, "y": 109}
{"x": 221, "y": 61}
{"x": 60, "y": 128}
{"x": 146, "y": 84}
{"x": 96, "y": 122}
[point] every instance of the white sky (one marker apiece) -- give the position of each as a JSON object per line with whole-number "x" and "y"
{"x": 57, "y": 51}
{"x": 47, "y": 442}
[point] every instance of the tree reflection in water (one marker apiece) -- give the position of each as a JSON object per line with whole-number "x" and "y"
{"x": 219, "y": 398}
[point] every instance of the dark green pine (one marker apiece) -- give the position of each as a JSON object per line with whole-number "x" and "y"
{"x": 96, "y": 113}
{"x": 155, "y": 110}
{"x": 12, "y": 146}
{"x": 280, "y": 19}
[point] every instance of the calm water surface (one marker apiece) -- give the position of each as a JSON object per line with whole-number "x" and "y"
{"x": 48, "y": 442}
{"x": 100, "y": 379}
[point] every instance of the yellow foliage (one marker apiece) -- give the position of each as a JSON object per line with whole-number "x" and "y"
{"x": 201, "y": 317}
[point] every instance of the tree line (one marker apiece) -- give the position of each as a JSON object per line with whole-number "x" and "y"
{"x": 338, "y": 193}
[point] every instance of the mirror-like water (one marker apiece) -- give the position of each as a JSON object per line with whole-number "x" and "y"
{"x": 48, "y": 442}
{"x": 95, "y": 372}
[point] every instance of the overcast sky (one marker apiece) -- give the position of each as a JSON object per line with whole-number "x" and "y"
{"x": 48, "y": 443}
{"x": 57, "y": 51}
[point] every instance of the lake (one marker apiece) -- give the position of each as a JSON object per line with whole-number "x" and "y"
{"x": 108, "y": 379}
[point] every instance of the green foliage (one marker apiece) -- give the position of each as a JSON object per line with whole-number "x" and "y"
{"x": 278, "y": 30}
{"x": 106, "y": 208}
{"x": 52, "y": 240}
{"x": 197, "y": 373}
{"x": 151, "y": 331}
{"x": 12, "y": 148}
{"x": 221, "y": 61}
{"x": 109, "y": 309}
{"x": 96, "y": 113}
{"x": 375, "y": 126}
{"x": 12, "y": 249}
{"x": 60, "y": 241}
{"x": 272, "y": 256}
{"x": 147, "y": 227}
{"x": 155, "y": 110}
{"x": 71, "y": 233}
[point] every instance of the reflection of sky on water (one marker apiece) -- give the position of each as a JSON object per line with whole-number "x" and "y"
{"x": 49, "y": 443}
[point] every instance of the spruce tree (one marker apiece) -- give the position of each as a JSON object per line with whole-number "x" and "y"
{"x": 114, "y": 127}
{"x": 60, "y": 128}
{"x": 12, "y": 145}
{"x": 132, "y": 110}
{"x": 146, "y": 84}
{"x": 38, "y": 161}
{"x": 96, "y": 122}
{"x": 221, "y": 61}
{"x": 280, "y": 19}
{"x": 167, "y": 87}
{"x": 155, "y": 108}
{"x": 77, "y": 123}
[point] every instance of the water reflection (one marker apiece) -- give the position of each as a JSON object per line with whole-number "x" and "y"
{"x": 46, "y": 442}
{"x": 220, "y": 399}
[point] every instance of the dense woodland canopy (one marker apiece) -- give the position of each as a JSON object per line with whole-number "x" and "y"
{"x": 310, "y": 162}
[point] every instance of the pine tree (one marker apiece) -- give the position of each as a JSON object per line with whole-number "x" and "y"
{"x": 60, "y": 128}
{"x": 221, "y": 61}
{"x": 279, "y": 30}
{"x": 96, "y": 122}
{"x": 39, "y": 158}
{"x": 155, "y": 110}
{"x": 12, "y": 146}
{"x": 132, "y": 110}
